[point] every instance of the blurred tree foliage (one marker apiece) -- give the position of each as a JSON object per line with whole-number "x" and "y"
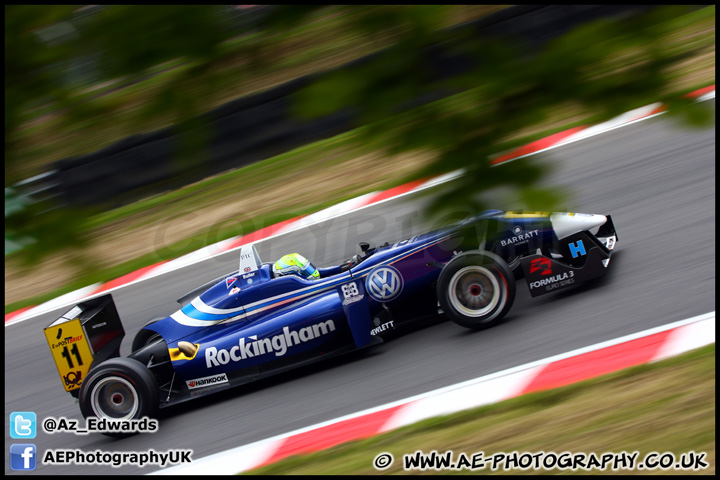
{"x": 607, "y": 67}
{"x": 125, "y": 41}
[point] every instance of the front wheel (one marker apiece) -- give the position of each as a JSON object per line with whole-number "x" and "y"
{"x": 119, "y": 389}
{"x": 476, "y": 289}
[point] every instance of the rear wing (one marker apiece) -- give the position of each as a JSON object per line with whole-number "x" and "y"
{"x": 85, "y": 335}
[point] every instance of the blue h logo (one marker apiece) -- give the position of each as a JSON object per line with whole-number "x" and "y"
{"x": 577, "y": 248}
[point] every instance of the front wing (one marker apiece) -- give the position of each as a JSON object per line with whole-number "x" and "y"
{"x": 584, "y": 257}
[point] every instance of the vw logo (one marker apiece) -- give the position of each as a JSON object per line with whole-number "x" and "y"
{"x": 384, "y": 284}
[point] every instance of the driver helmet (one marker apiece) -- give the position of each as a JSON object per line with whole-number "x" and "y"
{"x": 295, "y": 264}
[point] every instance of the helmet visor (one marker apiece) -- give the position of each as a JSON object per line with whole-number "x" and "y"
{"x": 309, "y": 271}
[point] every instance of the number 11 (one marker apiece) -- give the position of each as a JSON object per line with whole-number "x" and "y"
{"x": 66, "y": 353}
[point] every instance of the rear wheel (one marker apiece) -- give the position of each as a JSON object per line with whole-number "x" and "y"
{"x": 119, "y": 389}
{"x": 476, "y": 290}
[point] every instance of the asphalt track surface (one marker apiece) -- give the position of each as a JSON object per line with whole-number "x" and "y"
{"x": 656, "y": 178}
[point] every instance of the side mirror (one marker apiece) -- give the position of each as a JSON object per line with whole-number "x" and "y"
{"x": 364, "y": 246}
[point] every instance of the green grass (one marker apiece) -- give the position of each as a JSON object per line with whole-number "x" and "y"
{"x": 297, "y": 159}
{"x": 667, "y": 406}
{"x": 324, "y": 41}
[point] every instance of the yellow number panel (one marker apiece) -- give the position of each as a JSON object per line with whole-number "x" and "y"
{"x": 71, "y": 352}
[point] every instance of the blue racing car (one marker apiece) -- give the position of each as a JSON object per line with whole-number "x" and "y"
{"x": 266, "y": 318}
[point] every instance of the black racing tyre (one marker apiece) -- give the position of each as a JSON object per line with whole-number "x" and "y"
{"x": 119, "y": 389}
{"x": 145, "y": 337}
{"x": 476, "y": 289}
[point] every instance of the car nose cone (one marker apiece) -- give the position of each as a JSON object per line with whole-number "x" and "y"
{"x": 566, "y": 224}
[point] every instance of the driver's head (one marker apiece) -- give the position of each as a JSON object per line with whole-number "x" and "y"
{"x": 295, "y": 264}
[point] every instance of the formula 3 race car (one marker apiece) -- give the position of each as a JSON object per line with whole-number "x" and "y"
{"x": 249, "y": 324}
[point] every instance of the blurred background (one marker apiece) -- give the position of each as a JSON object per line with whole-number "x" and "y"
{"x": 135, "y": 134}
{"x": 138, "y": 134}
